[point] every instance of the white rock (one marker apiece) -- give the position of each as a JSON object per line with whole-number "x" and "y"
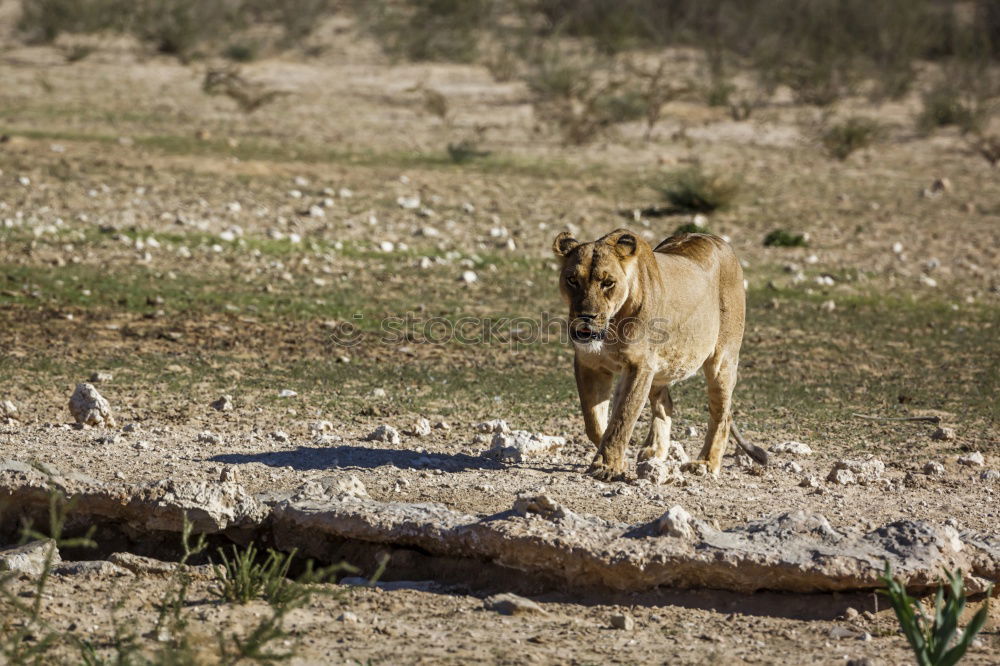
{"x": 279, "y": 436}
{"x": 8, "y": 412}
{"x": 676, "y": 522}
{"x": 809, "y": 482}
{"x": 691, "y": 431}
{"x": 792, "y": 448}
{"x": 858, "y": 471}
{"x": 208, "y": 437}
{"x": 496, "y": 425}
{"x": 660, "y": 472}
{"x": 944, "y": 433}
{"x": 287, "y": 393}
{"x": 933, "y": 468}
{"x": 387, "y": 246}
{"x": 989, "y": 475}
{"x": 320, "y": 426}
{"x": 29, "y": 558}
{"x": 520, "y": 445}
{"x": 622, "y": 621}
{"x": 384, "y": 433}
{"x": 512, "y": 604}
{"x": 974, "y": 459}
{"x": 223, "y": 404}
{"x": 421, "y": 428}
{"x": 408, "y": 203}
{"x": 792, "y": 467}
{"x": 88, "y": 407}
{"x": 469, "y": 277}
{"x": 98, "y": 377}
{"x": 379, "y": 393}
{"x": 842, "y": 477}
{"x": 317, "y": 211}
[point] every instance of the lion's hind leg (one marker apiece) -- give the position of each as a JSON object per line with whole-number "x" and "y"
{"x": 720, "y": 376}
{"x": 657, "y": 442}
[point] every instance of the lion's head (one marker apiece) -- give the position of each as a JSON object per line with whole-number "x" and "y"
{"x": 596, "y": 280}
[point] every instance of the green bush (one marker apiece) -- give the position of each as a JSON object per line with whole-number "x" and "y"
{"x": 432, "y": 30}
{"x": 694, "y": 190}
{"x": 842, "y": 139}
{"x": 934, "y": 639}
{"x": 949, "y": 105}
{"x": 782, "y": 238}
{"x": 465, "y": 151}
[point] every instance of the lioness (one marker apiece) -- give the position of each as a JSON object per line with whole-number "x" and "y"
{"x": 654, "y": 317}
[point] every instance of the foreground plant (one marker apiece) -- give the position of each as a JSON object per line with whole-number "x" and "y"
{"x": 933, "y": 639}
{"x": 697, "y": 191}
{"x": 25, "y": 637}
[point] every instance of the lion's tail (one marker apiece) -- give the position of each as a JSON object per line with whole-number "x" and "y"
{"x": 752, "y": 450}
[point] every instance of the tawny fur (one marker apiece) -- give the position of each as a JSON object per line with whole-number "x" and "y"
{"x": 652, "y": 318}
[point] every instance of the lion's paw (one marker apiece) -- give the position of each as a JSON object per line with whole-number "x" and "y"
{"x": 603, "y": 471}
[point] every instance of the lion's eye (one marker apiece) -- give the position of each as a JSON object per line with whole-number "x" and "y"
{"x": 607, "y": 284}
{"x": 571, "y": 281}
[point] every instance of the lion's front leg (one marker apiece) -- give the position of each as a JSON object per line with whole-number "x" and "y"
{"x": 633, "y": 388}
{"x": 594, "y": 386}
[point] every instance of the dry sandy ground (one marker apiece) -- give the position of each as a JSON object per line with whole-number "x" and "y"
{"x": 133, "y": 146}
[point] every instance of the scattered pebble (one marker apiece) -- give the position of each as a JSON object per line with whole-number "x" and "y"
{"x": 384, "y": 433}
{"x": 974, "y": 459}
{"x": 89, "y": 408}
{"x": 512, "y": 604}
{"x": 469, "y": 277}
{"x": 793, "y": 448}
{"x": 287, "y": 393}
{"x": 622, "y": 621}
{"x": 809, "y": 482}
{"x": 421, "y": 428}
{"x": 792, "y": 467}
{"x": 847, "y": 472}
{"x": 521, "y": 445}
{"x": 944, "y": 434}
{"x": 279, "y": 436}
{"x": 8, "y": 412}
{"x": 223, "y": 404}
{"x": 99, "y": 377}
{"x": 676, "y": 522}
{"x": 208, "y": 437}
{"x": 933, "y": 468}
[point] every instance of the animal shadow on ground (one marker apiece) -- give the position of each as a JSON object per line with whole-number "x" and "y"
{"x": 318, "y": 458}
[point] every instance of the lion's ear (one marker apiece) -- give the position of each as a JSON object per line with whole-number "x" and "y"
{"x": 564, "y": 244}
{"x": 625, "y": 243}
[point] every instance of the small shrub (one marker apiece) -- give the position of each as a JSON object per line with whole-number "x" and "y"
{"x": 245, "y": 577}
{"x": 844, "y": 138}
{"x": 431, "y": 30}
{"x": 934, "y": 639}
{"x": 465, "y": 151}
{"x": 248, "y": 95}
{"x": 945, "y": 105}
{"x": 988, "y": 147}
{"x": 695, "y": 191}
{"x": 719, "y": 92}
{"x": 690, "y": 228}
{"x": 241, "y": 51}
{"x": 782, "y": 238}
